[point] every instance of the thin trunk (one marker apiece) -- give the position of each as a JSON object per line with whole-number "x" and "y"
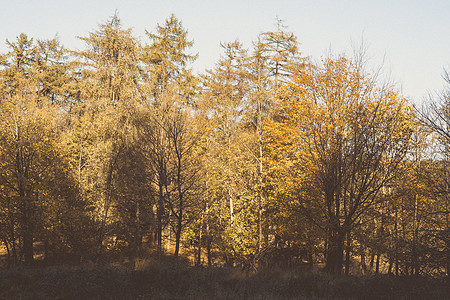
{"x": 169, "y": 233}
{"x": 208, "y": 233}
{"x": 28, "y": 247}
{"x": 179, "y": 228}
{"x": 159, "y": 216}
{"x": 27, "y": 235}
{"x": 208, "y": 246}
{"x": 79, "y": 166}
{"x": 260, "y": 139}
{"x": 26, "y": 210}
{"x": 162, "y": 178}
{"x": 178, "y": 237}
{"x": 14, "y": 251}
{"x": 13, "y": 235}
{"x": 8, "y": 252}
{"x": 260, "y": 235}
{"x": 169, "y": 238}
{"x": 396, "y": 243}
{"x": 391, "y": 264}
{"x": 106, "y": 204}
{"x": 414, "y": 260}
{"x": 230, "y": 196}
{"x": 381, "y": 238}
{"x": 181, "y": 203}
{"x": 199, "y": 249}
{"x": 372, "y": 260}
{"x": 447, "y": 218}
{"x": 138, "y": 230}
{"x": 363, "y": 262}
{"x": 403, "y": 223}
{"x": 347, "y": 255}
{"x": 448, "y": 260}
{"x": 377, "y": 264}
{"x": 231, "y": 208}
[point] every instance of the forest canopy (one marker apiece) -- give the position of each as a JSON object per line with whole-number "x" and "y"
{"x": 266, "y": 159}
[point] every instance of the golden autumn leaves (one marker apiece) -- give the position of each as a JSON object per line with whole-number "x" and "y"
{"x": 335, "y": 140}
{"x": 267, "y": 152}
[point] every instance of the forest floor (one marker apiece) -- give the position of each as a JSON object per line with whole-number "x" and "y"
{"x": 171, "y": 278}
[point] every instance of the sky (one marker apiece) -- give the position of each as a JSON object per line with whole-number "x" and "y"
{"x": 409, "y": 38}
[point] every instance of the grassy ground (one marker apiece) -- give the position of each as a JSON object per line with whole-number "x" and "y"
{"x": 177, "y": 279}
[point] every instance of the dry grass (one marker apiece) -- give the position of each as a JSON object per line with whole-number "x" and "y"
{"x": 170, "y": 278}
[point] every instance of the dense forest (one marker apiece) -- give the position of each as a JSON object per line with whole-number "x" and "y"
{"x": 120, "y": 150}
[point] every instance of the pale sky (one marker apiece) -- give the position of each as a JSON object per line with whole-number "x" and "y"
{"x": 411, "y": 37}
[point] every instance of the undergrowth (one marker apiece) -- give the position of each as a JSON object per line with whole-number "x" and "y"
{"x": 170, "y": 278}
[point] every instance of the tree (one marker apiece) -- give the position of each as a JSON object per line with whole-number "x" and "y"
{"x": 34, "y": 170}
{"x": 170, "y": 90}
{"x": 436, "y": 117}
{"x": 275, "y": 59}
{"x": 240, "y": 95}
{"x": 345, "y": 138}
{"x": 225, "y": 94}
{"x": 183, "y": 168}
{"x": 106, "y": 126}
{"x": 277, "y": 56}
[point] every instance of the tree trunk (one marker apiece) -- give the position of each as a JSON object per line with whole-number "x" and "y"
{"x": 381, "y": 238}
{"x": 28, "y": 247}
{"x": 138, "y": 231}
{"x": 178, "y": 234}
{"x": 199, "y": 249}
{"x": 363, "y": 262}
{"x": 377, "y": 264}
{"x": 13, "y": 245}
{"x": 260, "y": 174}
{"x": 208, "y": 245}
{"x": 347, "y": 255}
{"x": 159, "y": 216}
{"x": 27, "y": 234}
{"x": 335, "y": 252}
{"x": 169, "y": 237}
{"x": 372, "y": 260}
{"x": 8, "y": 252}
{"x": 396, "y": 243}
{"x": 231, "y": 208}
{"x": 414, "y": 256}
{"x": 447, "y": 260}
{"x": 14, "y": 252}
{"x": 106, "y": 204}
{"x": 396, "y": 267}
